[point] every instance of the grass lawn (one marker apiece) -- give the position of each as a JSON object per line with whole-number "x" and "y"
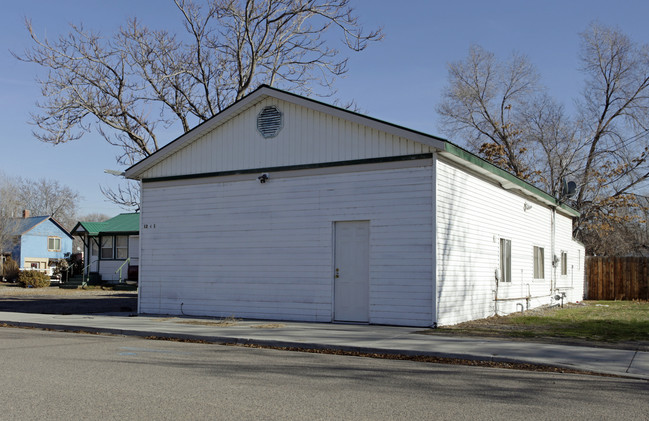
{"x": 598, "y": 321}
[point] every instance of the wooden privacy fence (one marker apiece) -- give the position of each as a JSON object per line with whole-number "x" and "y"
{"x": 617, "y": 278}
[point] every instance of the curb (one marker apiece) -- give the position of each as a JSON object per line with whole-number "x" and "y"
{"x": 443, "y": 357}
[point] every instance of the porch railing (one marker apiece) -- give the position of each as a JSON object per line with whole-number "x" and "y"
{"x": 119, "y": 269}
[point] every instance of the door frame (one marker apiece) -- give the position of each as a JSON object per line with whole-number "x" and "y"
{"x": 333, "y": 271}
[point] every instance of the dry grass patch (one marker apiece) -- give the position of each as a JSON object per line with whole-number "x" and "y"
{"x": 593, "y": 321}
{"x": 230, "y": 321}
{"x": 269, "y": 326}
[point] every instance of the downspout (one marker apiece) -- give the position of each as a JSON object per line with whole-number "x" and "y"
{"x": 435, "y": 269}
{"x": 553, "y": 226}
{"x": 495, "y": 291}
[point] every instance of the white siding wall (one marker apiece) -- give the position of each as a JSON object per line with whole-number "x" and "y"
{"x": 107, "y": 270}
{"x": 265, "y": 250}
{"x": 472, "y": 216}
{"x": 307, "y": 137}
{"x": 573, "y": 282}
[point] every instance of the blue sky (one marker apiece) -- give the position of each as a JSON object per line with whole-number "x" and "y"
{"x": 398, "y": 80}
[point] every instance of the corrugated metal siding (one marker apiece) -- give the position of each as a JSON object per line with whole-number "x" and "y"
{"x": 308, "y": 137}
{"x": 472, "y": 216}
{"x": 265, "y": 250}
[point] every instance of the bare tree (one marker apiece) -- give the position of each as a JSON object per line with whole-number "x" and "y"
{"x": 130, "y": 85}
{"x": 506, "y": 118}
{"x": 613, "y": 123}
{"x": 7, "y": 223}
{"x": 94, "y": 217}
{"x": 553, "y": 145}
{"x": 483, "y": 104}
{"x": 41, "y": 197}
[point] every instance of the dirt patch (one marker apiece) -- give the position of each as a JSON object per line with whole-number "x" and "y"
{"x": 7, "y": 289}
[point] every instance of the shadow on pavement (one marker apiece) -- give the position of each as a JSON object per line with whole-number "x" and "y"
{"x": 70, "y": 305}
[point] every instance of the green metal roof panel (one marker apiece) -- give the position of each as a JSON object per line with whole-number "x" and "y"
{"x": 122, "y": 223}
{"x": 92, "y": 228}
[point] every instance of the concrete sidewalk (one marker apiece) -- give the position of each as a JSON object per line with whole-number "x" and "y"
{"x": 361, "y": 338}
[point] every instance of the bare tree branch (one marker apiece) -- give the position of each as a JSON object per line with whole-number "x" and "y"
{"x": 504, "y": 116}
{"x": 130, "y": 85}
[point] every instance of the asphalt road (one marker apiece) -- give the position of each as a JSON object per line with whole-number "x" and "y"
{"x": 54, "y": 375}
{"x": 55, "y": 304}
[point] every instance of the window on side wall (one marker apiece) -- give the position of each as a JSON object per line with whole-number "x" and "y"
{"x": 505, "y": 260}
{"x": 539, "y": 263}
{"x": 564, "y": 263}
{"x": 121, "y": 247}
{"x": 94, "y": 247}
{"x": 53, "y": 244}
{"x": 106, "y": 247}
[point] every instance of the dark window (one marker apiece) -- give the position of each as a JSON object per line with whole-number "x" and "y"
{"x": 505, "y": 260}
{"x": 106, "y": 247}
{"x": 564, "y": 263}
{"x": 539, "y": 263}
{"x": 121, "y": 247}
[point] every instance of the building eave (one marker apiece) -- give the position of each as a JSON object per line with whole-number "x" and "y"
{"x": 507, "y": 180}
{"x": 444, "y": 147}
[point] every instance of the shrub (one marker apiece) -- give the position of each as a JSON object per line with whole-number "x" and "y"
{"x": 33, "y": 279}
{"x": 10, "y": 269}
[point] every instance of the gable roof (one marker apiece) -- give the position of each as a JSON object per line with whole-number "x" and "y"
{"x": 258, "y": 95}
{"x": 21, "y": 226}
{"x": 442, "y": 146}
{"x": 124, "y": 223}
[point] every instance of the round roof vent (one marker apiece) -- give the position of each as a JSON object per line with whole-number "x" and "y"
{"x": 270, "y": 121}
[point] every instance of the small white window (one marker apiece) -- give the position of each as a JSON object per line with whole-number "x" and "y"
{"x": 121, "y": 247}
{"x": 539, "y": 263}
{"x": 94, "y": 247}
{"x": 106, "y": 247}
{"x": 505, "y": 260}
{"x": 53, "y": 244}
{"x": 564, "y": 263}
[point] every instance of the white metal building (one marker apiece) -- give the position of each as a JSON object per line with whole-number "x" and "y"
{"x": 281, "y": 207}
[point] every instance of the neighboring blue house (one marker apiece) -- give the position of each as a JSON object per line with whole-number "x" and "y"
{"x": 40, "y": 242}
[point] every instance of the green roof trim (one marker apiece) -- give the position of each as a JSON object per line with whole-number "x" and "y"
{"x": 521, "y": 184}
{"x": 122, "y": 223}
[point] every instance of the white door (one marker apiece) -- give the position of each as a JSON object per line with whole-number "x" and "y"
{"x": 351, "y": 271}
{"x": 134, "y": 249}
